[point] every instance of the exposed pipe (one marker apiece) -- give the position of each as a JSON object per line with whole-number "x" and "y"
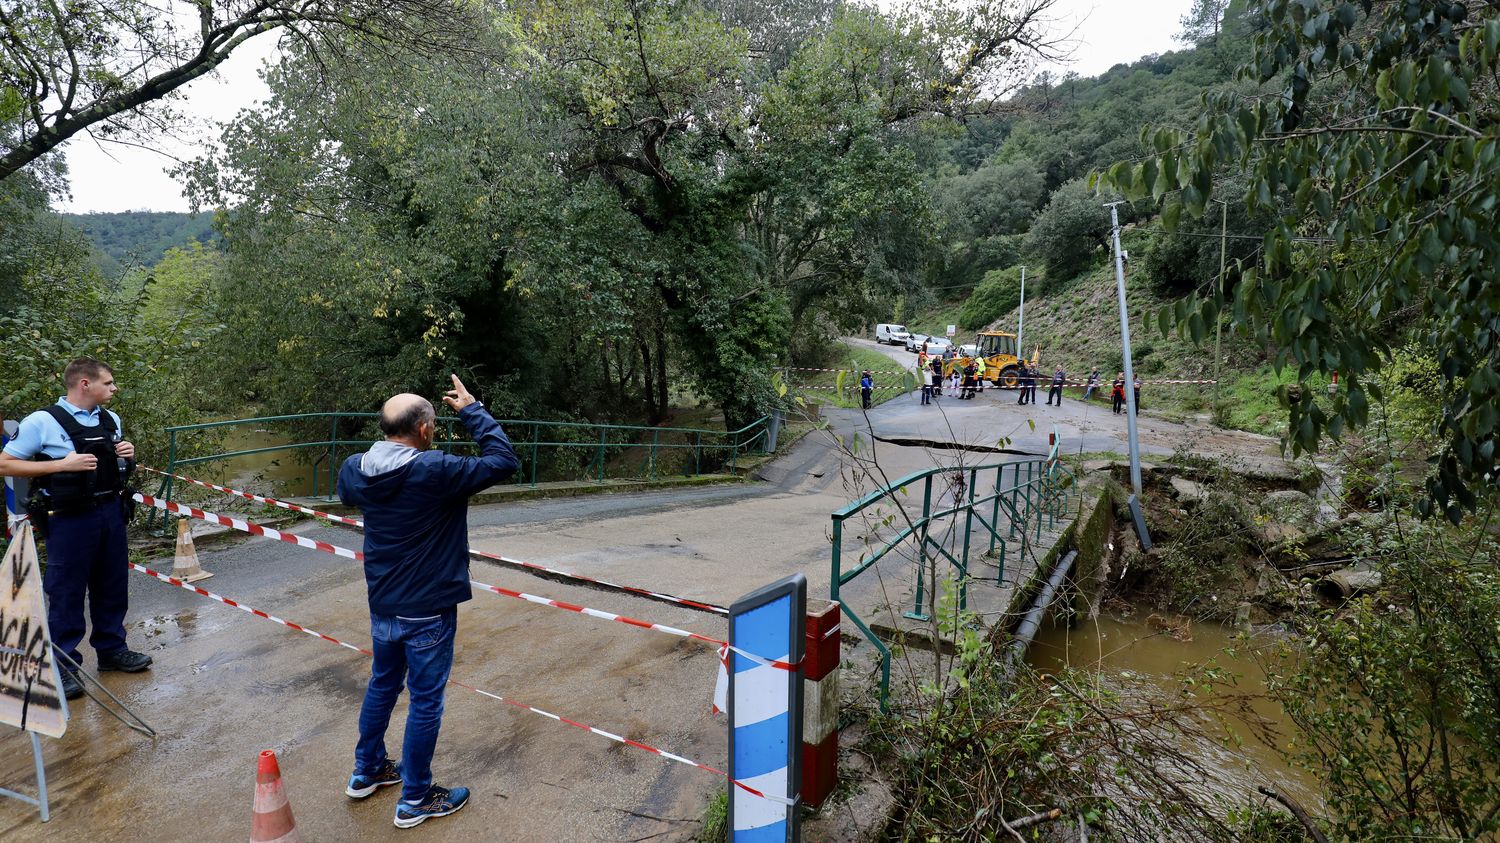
{"x": 1026, "y": 631}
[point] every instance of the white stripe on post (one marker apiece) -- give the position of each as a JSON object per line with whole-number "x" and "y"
{"x": 765, "y": 711}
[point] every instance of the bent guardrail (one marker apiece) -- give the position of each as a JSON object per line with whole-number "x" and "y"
{"x": 1038, "y": 491}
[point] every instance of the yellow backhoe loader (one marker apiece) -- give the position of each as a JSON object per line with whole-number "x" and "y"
{"x": 997, "y": 351}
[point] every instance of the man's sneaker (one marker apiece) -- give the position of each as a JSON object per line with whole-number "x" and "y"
{"x": 72, "y": 689}
{"x": 362, "y": 786}
{"x": 440, "y": 802}
{"x": 127, "y": 660}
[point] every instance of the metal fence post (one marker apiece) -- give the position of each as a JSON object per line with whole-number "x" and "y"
{"x": 603, "y": 437}
{"x": 838, "y": 550}
{"x": 536, "y": 434}
{"x": 333, "y": 455}
{"x": 916, "y": 613}
{"x": 655, "y": 437}
{"x": 963, "y": 569}
{"x": 164, "y": 491}
{"x": 1040, "y": 503}
{"x": 1016, "y": 495}
{"x": 995, "y": 510}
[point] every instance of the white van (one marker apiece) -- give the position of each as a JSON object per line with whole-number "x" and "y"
{"x": 891, "y": 334}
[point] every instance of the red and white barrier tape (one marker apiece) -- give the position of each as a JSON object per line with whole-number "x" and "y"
{"x": 629, "y": 589}
{"x": 1040, "y": 384}
{"x": 247, "y": 527}
{"x": 355, "y": 522}
{"x": 303, "y": 541}
{"x": 850, "y": 371}
{"x": 611, "y": 616}
{"x": 243, "y": 608}
{"x": 515, "y": 703}
{"x": 1102, "y": 385}
{"x": 854, "y": 387}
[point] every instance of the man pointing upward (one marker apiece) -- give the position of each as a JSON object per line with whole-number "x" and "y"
{"x": 415, "y": 502}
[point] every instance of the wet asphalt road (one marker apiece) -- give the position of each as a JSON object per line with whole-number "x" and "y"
{"x": 226, "y": 684}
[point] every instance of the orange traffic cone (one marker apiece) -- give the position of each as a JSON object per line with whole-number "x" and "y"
{"x": 185, "y": 565}
{"x": 272, "y": 821}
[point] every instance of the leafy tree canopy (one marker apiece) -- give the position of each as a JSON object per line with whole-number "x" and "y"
{"x": 110, "y": 66}
{"x": 1379, "y": 158}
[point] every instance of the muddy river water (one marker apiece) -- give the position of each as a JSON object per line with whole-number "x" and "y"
{"x": 278, "y": 473}
{"x": 1131, "y": 648}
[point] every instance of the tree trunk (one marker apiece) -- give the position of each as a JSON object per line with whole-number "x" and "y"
{"x": 661, "y": 374}
{"x": 650, "y": 372}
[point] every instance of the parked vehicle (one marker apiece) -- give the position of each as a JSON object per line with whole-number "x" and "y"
{"x": 937, "y": 346}
{"x": 914, "y": 342}
{"x": 889, "y": 334}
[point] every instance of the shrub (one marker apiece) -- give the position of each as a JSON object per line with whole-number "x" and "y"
{"x": 998, "y": 294}
{"x": 1069, "y": 231}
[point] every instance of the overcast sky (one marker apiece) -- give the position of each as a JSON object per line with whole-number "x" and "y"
{"x": 110, "y": 177}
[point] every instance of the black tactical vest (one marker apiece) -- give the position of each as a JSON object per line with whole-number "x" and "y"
{"x": 69, "y": 489}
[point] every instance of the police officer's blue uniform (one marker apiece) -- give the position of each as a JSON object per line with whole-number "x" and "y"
{"x": 86, "y": 548}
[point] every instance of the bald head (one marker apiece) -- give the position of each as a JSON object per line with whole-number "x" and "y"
{"x": 403, "y": 416}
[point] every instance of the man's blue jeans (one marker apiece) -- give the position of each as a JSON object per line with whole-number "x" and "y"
{"x": 417, "y": 653}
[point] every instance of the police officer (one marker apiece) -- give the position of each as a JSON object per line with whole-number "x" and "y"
{"x": 76, "y": 454}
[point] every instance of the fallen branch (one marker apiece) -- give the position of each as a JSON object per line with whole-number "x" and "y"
{"x": 1297, "y": 811}
{"x": 1035, "y": 819}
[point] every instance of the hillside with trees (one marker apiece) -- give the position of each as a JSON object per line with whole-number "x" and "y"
{"x": 141, "y": 238}
{"x": 620, "y": 211}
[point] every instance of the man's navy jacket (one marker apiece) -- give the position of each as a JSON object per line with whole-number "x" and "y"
{"x": 416, "y": 516}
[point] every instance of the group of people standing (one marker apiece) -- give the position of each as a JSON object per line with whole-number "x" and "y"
{"x": 1116, "y": 391}
{"x": 967, "y": 380}
{"x": 1029, "y": 374}
{"x": 964, "y": 381}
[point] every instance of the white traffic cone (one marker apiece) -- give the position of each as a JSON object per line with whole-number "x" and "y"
{"x": 185, "y": 565}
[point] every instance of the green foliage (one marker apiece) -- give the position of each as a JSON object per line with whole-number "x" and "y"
{"x": 986, "y": 212}
{"x": 141, "y": 238}
{"x": 1394, "y": 698}
{"x": 618, "y": 183}
{"x": 1383, "y": 143}
{"x": 715, "y": 828}
{"x": 1413, "y": 394}
{"x": 999, "y": 749}
{"x": 851, "y": 359}
{"x": 55, "y": 306}
{"x": 106, "y": 66}
{"x": 998, "y": 294}
{"x": 1203, "y": 21}
{"x": 1068, "y": 234}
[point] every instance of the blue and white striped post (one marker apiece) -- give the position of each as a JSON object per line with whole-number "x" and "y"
{"x": 765, "y": 712}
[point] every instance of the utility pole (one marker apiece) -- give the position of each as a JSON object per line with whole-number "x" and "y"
{"x": 1135, "y": 447}
{"x": 1219, "y": 317}
{"x": 1021, "y": 320}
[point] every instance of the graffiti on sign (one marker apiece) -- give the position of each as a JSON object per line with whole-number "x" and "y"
{"x": 29, "y": 697}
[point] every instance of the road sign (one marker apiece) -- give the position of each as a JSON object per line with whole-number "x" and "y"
{"x": 765, "y": 712}
{"x": 952, "y": 330}
{"x": 30, "y": 698}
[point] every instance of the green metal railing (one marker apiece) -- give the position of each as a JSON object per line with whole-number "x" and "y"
{"x": 1038, "y": 491}
{"x": 709, "y": 448}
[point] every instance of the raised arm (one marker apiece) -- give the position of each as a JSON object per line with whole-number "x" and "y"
{"x": 497, "y": 459}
